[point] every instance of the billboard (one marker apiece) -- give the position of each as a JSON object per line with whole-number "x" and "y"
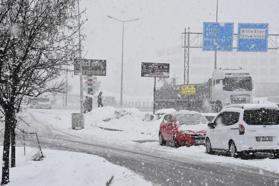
{"x": 155, "y": 69}
{"x": 217, "y": 36}
{"x": 188, "y": 90}
{"x": 252, "y": 37}
{"x": 90, "y": 67}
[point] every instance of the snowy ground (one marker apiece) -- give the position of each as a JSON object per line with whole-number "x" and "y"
{"x": 130, "y": 132}
{"x": 69, "y": 169}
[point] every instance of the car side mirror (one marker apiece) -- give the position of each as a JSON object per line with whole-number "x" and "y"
{"x": 211, "y": 125}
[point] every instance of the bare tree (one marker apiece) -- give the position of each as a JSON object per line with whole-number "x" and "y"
{"x": 36, "y": 40}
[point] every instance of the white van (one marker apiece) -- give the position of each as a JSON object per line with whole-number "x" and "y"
{"x": 245, "y": 128}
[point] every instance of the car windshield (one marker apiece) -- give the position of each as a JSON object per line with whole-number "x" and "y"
{"x": 234, "y": 83}
{"x": 261, "y": 117}
{"x": 190, "y": 119}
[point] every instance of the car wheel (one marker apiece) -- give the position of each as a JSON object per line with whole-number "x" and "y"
{"x": 208, "y": 147}
{"x": 232, "y": 150}
{"x": 176, "y": 144}
{"x": 161, "y": 139}
{"x": 276, "y": 154}
{"x": 187, "y": 144}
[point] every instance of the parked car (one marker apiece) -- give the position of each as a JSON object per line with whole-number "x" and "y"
{"x": 160, "y": 113}
{"x": 183, "y": 128}
{"x": 245, "y": 129}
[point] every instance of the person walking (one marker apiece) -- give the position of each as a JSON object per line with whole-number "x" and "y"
{"x": 100, "y": 99}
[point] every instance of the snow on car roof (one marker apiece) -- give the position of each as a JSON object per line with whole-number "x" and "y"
{"x": 165, "y": 111}
{"x": 186, "y": 112}
{"x": 253, "y": 106}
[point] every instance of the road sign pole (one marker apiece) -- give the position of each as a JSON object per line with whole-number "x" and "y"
{"x": 79, "y": 48}
{"x": 185, "y": 55}
{"x": 188, "y": 57}
{"x": 122, "y": 64}
{"x": 154, "y": 96}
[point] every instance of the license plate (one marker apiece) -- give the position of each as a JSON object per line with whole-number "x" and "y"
{"x": 264, "y": 138}
{"x": 199, "y": 141}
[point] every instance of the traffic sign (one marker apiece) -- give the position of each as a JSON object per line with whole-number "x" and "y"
{"x": 252, "y": 37}
{"x": 90, "y": 67}
{"x": 91, "y": 81}
{"x": 188, "y": 90}
{"x": 155, "y": 70}
{"x": 217, "y": 36}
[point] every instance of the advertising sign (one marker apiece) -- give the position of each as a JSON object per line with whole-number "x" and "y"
{"x": 90, "y": 67}
{"x": 155, "y": 69}
{"x": 217, "y": 36}
{"x": 188, "y": 90}
{"x": 252, "y": 37}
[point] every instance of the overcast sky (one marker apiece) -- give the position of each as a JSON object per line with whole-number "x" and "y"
{"x": 160, "y": 26}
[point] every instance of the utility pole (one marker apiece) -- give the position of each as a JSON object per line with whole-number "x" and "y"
{"x": 80, "y": 61}
{"x": 185, "y": 55}
{"x": 188, "y": 57}
{"x": 154, "y": 95}
{"x": 186, "y": 46}
{"x": 122, "y": 53}
{"x": 122, "y": 64}
{"x": 215, "y": 51}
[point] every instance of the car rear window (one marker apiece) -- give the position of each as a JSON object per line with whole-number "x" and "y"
{"x": 261, "y": 117}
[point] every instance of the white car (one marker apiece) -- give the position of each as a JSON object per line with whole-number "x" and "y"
{"x": 244, "y": 129}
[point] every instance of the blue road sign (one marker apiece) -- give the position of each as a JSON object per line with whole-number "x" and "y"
{"x": 217, "y": 36}
{"x": 252, "y": 37}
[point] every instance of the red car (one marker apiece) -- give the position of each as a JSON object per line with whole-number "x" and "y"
{"x": 183, "y": 128}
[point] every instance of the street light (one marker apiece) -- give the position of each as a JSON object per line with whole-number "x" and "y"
{"x": 122, "y": 54}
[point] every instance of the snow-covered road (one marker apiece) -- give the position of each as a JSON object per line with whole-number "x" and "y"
{"x": 133, "y": 144}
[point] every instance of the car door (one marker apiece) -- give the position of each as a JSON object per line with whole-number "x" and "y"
{"x": 165, "y": 128}
{"x": 170, "y": 128}
{"x": 218, "y": 131}
{"x": 215, "y": 132}
{"x": 229, "y": 128}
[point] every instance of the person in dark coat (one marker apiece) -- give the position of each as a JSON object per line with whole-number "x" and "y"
{"x": 100, "y": 100}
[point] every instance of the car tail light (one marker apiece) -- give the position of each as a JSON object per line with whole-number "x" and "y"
{"x": 241, "y": 129}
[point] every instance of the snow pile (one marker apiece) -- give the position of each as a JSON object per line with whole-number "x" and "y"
{"x": 111, "y": 113}
{"x": 71, "y": 169}
{"x": 101, "y": 124}
{"x": 127, "y": 121}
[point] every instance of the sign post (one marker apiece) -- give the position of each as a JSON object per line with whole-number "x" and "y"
{"x": 91, "y": 81}
{"x": 149, "y": 69}
{"x": 217, "y": 36}
{"x": 252, "y": 37}
{"x": 154, "y": 96}
{"x": 87, "y": 67}
{"x": 90, "y": 67}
